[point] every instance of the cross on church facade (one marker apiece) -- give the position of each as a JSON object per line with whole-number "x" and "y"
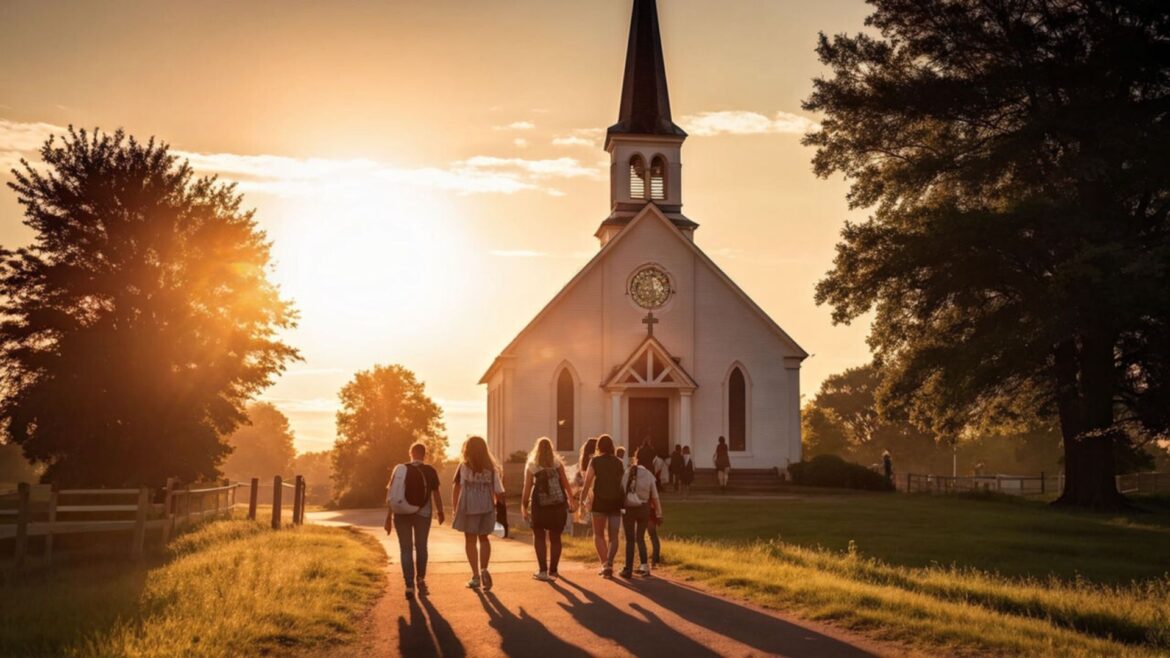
{"x": 650, "y": 321}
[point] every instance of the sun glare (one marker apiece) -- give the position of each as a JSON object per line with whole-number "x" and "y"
{"x": 367, "y": 263}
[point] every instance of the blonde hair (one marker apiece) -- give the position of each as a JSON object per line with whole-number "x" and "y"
{"x": 543, "y": 454}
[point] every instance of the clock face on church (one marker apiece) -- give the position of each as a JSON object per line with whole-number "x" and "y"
{"x": 650, "y": 288}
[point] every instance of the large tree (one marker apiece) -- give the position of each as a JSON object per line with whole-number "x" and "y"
{"x": 262, "y": 446}
{"x": 383, "y": 411}
{"x": 1013, "y": 155}
{"x": 140, "y": 320}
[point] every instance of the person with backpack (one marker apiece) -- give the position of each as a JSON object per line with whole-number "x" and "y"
{"x": 413, "y": 496}
{"x": 645, "y": 456}
{"x": 603, "y": 481}
{"x": 642, "y": 502}
{"x": 722, "y": 464}
{"x": 478, "y": 488}
{"x": 676, "y": 466}
{"x": 687, "y": 473}
{"x": 545, "y": 504}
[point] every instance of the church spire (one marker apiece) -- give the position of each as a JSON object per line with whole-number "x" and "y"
{"x": 645, "y": 107}
{"x": 644, "y": 146}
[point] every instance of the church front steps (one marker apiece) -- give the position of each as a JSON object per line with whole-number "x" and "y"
{"x": 741, "y": 481}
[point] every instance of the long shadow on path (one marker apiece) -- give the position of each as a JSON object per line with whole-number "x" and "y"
{"x": 522, "y": 635}
{"x": 763, "y": 632}
{"x": 427, "y": 633}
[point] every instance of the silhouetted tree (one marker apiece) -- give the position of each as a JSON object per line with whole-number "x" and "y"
{"x": 383, "y": 411}
{"x": 14, "y": 467}
{"x": 1014, "y": 156}
{"x": 262, "y": 446}
{"x": 139, "y": 321}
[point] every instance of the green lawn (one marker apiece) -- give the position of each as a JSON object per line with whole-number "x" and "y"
{"x": 1014, "y": 537}
{"x": 944, "y": 575}
{"x": 229, "y": 588}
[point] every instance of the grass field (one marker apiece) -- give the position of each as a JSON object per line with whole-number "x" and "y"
{"x": 941, "y": 574}
{"x": 229, "y": 588}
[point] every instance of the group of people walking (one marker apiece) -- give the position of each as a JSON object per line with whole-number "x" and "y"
{"x": 605, "y": 495}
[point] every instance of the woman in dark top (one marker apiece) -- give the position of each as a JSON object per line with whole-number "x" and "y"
{"x": 722, "y": 464}
{"x": 604, "y": 481}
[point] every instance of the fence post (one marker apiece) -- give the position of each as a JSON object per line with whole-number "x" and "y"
{"x": 908, "y": 489}
{"x": 168, "y": 512}
{"x": 137, "y": 548}
{"x": 297, "y": 502}
{"x": 22, "y": 513}
{"x": 277, "y": 485}
{"x": 304, "y": 497}
{"x": 1042, "y": 491}
{"x": 49, "y": 532}
{"x": 252, "y": 497}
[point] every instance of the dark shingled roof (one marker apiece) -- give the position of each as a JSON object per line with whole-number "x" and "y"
{"x": 645, "y": 108}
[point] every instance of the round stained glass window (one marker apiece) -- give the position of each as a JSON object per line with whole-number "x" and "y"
{"x": 650, "y": 288}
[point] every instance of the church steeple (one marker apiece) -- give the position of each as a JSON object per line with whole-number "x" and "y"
{"x": 645, "y": 107}
{"x": 645, "y": 146}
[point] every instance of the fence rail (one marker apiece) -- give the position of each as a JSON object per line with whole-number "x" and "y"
{"x": 36, "y": 510}
{"x": 1016, "y": 485}
{"x": 1025, "y": 485}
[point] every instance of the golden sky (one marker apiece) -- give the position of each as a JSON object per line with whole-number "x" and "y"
{"x": 431, "y": 171}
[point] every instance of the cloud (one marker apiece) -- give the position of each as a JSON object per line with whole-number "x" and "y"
{"x": 298, "y": 177}
{"x": 740, "y": 122}
{"x": 589, "y": 137}
{"x": 530, "y": 253}
{"x": 520, "y": 142}
{"x": 517, "y": 125}
{"x": 537, "y": 169}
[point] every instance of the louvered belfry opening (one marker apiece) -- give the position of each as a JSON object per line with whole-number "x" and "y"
{"x": 637, "y": 177}
{"x": 658, "y": 179}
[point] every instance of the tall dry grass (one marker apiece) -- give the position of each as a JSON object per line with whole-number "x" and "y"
{"x": 230, "y": 588}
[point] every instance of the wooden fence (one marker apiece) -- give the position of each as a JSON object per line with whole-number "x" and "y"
{"x": 40, "y": 511}
{"x": 1016, "y": 485}
{"x": 1024, "y": 485}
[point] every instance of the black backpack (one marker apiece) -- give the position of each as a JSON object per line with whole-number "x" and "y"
{"x": 416, "y": 485}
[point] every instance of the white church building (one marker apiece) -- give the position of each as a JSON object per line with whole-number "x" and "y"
{"x": 650, "y": 340}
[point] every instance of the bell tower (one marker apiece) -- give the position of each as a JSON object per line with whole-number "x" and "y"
{"x": 645, "y": 146}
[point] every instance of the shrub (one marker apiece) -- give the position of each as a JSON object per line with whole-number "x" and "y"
{"x": 518, "y": 457}
{"x": 832, "y": 471}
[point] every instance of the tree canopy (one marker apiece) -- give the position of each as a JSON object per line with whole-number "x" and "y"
{"x": 383, "y": 411}
{"x": 261, "y": 447}
{"x": 140, "y": 320}
{"x": 1013, "y": 155}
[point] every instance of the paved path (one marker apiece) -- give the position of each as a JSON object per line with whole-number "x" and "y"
{"x": 580, "y": 615}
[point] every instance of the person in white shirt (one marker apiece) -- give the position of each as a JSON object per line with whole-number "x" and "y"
{"x": 642, "y": 501}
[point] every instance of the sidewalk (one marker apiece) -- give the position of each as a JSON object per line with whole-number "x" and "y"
{"x": 580, "y": 615}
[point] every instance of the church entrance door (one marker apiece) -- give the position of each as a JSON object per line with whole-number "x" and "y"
{"x": 650, "y": 419}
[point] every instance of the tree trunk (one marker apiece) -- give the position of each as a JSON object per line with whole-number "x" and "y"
{"x": 1084, "y": 379}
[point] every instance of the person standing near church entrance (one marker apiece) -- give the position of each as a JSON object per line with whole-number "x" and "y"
{"x": 687, "y": 474}
{"x": 545, "y": 504}
{"x": 676, "y": 465}
{"x": 413, "y": 529}
{"x": 603, "y": 481}
{"x": 722, "y": 464}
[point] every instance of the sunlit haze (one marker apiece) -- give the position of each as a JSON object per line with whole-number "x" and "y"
{"x": 431, "y": 173}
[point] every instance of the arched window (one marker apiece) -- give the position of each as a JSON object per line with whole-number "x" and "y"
{"x": 737, "y": 411}
{"x": 566, "y": 411}
{"x": 658, "y": 178}
{"x": 637, "y": 177}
